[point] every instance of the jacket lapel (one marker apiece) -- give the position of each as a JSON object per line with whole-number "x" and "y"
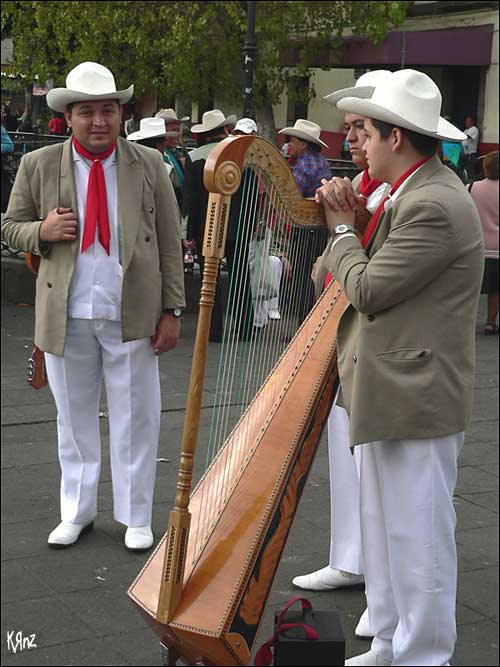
{"x": 130, "y": 176}
{"x": 66, "y": 188}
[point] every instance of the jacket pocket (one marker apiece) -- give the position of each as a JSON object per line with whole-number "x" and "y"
{"x": 406, "y": 355}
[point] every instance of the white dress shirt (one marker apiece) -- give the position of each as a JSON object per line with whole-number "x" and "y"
{"x": 96, "y": 287}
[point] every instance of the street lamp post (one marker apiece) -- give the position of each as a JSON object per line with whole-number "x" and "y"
{"x": 249, "y": 51}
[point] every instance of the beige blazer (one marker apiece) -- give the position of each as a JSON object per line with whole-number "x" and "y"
{"x": 150, "y": 243}
{"x": 406, "y": 343}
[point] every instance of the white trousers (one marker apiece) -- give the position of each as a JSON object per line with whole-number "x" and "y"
{"x": 94, "y": 350}
{"x": 408, "y": 533}
{"x": 262, "y": 306}
{"x": 345, "y": 537}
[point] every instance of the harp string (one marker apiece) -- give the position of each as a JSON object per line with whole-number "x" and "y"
{"x": 245, "y": 364}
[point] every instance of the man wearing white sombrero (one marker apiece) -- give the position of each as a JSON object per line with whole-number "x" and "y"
{"x": 153, "y": 134}
{"x": 102, "y": 214}
{"x": 173, "y": 155}
{"x": 406, "y": 358}
{"x": 215, "y": 127}
{"x": 309, "y": 170}
{"x": 345, "y": 568}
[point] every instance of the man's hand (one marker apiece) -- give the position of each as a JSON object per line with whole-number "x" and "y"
{"x": 339, "y": 202}
{"x": 337, "y": 194}
{"x": 61, "y": 224}
{"x": 167, "y": 334}
{"x": 314, "y": 269}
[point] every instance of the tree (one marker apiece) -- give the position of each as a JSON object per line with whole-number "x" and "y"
{"x": 188, "y": 49}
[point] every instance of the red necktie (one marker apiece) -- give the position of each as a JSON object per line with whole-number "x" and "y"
{"x": 96, "y": 211}
{"x": 372, "y": 225}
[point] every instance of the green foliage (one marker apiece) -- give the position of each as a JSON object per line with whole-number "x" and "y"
{"x": 192, "y": 49}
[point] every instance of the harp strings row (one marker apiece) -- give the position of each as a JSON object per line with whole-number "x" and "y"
{"x": 269, "y": 263}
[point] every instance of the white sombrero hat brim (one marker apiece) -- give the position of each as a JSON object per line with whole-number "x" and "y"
{"x": 200, "y": 128}
{"x": 59, "y": 98}
{"x": 137, "y": 136}
{"x": 365, "y": 107}
{"x": 363, "y": 89}
{"x": 170, "y": 115}
{"x": 364, "y": 92}
{"x": 294, "y": 132}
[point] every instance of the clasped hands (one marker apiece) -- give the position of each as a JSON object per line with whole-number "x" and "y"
{"x": 341, "y": 204}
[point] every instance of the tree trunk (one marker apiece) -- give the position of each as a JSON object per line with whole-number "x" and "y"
{"x": 265, "y": 118}
{"x": 146, "y": 104}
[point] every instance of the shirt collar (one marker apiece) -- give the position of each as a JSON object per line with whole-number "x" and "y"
{"x": 108, "y": 162}
{"x": 392, "y": 198}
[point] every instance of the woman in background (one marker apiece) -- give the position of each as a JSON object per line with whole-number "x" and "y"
{"x": 485, "y": 195}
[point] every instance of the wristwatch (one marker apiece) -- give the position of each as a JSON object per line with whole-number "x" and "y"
{"x": 175, "y": 312}
{"x": 342, "y": 229}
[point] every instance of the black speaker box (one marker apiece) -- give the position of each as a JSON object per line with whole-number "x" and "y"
{"x": 292, "y": 649}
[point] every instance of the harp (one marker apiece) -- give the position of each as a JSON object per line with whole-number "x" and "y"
{"x": 205, "y": 587}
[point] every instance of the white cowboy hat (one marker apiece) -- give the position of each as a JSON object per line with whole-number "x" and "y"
{"x": 170, "y": 114}
{"x": 306, "y": 130}
{"x": 363, "y": 88}
{"x": 87, "y": 81}
{"x": 212, "y": 120}
{"x": 149, "y": 128}
{"x": 245, "y": 125}
{"x": 408, "y": 99}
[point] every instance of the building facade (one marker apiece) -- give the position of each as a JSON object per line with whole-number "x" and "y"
{"x": 455, "y": 43}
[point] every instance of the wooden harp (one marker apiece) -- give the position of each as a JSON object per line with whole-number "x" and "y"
{"x": 205, "y": 587}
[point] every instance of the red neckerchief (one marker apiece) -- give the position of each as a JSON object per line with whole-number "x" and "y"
{"x": 96, "y": 211}
{"x": 372, "y": 225}
{"x": 368, "y": 185}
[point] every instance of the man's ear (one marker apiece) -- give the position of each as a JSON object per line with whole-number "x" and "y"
{"x": 67, "y": 117}
{"x": 397, "y": 139}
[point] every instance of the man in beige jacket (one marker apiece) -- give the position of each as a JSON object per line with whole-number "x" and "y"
{"x": 102, "y": 214}
{"x": 345, "y": 568}
{"x": 406, "y": 358}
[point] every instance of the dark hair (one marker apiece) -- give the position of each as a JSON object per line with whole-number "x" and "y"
{"x": 207, "y": 137}
{"x": 424, "y": 145}
{"x": 313, "y": 148}
{"x": 152, "y": 142}
{"x": 490, "y": 166}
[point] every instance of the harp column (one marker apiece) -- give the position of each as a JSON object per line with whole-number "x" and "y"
{"x": 226, "y": 182}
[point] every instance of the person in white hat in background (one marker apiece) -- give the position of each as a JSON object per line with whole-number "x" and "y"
{"x": 215, "y": 127}
{"x": 265, "y": 307}
{"x": 245, "y": 126}
{"x": 102, "y": 214}
{"x": 406, "y": 358}
{"x": 175, "y": 152}
{"x": 305, "y": 245}
{"x": 345, "y": 568}
{"x": 152, "y": 133}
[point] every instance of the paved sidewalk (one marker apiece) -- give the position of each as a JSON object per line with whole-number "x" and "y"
{"x": 72, "y": 604}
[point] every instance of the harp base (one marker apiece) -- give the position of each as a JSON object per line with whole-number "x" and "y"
{"x": 173, "y": 564}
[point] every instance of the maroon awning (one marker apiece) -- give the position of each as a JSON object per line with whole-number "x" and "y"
{"x": 453, "y": 46}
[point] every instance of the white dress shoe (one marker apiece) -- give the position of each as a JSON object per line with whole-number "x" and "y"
{"x": 274, "y": 315}
{"x": 368, "y": 659}
{"x": 139, "y": 538}
{"x": 67, "y": 534}
{"x": 363, "y": 626}
{"x": 327, "y": 579}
